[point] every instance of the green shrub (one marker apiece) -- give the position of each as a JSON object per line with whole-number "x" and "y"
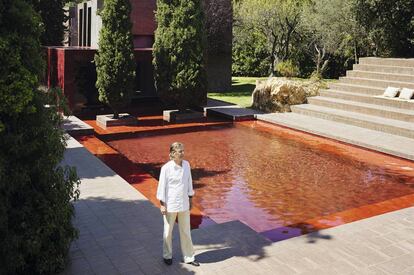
{"x": 178, "y": 55}
{"x": 52, "y": 13}
{"x": 35, "y": 192}
{"x": 390, "y": 25}
{"x": 287, "y": 69}
{"x": 115, "y": 62}
{"x": 250, "y": 55}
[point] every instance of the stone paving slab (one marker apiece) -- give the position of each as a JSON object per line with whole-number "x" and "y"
{"x": 379, "y": 141}
{"x": 120, "y": 233}
{"x": 74, "y": 126}
{"x": 229, "y": 110}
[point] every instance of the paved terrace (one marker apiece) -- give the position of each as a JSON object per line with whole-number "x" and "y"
{"x": 121, "y": 233}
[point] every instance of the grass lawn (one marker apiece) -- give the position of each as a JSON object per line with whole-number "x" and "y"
{"x": 241, "y": 91}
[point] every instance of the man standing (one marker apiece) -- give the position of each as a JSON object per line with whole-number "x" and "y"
{"x": 175, "y": 192}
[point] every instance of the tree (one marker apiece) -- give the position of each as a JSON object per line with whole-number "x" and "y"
{"x": 278, "y": 20}
{"x": 35, "y": 191}
{"x": 53, "y": 16}
{"x": 390, "y": 25}
{"x": 178, "y": 55}
{"x": 115, "y": 63}
{"x": 250, "y": 54}
{"x": 332, "y": 29}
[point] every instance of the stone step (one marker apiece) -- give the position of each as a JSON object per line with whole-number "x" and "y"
{"x": 382, "y": 76}
{"x": 401, "y": 104}
{"x": 371, "y": 139}
{"x": 76, "y": 127}
{"x": 384, "y": 69}
{"x": 375, "y": 82}
{"x": 348, "y": 87}
{"x": 364, "y": 108}
{"x": 391, "y": 126}
{"x": 403, "y": 62}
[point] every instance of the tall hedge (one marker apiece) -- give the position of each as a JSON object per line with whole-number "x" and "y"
{"x": 115, "y": 63}
{"x": 35, "y": 192}
{"x": 52, "y": 13}
{"x": 178, "y": 54}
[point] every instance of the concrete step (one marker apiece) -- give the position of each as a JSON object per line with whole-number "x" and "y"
{"x": 364, "y": 108}
{"x": 76, "y": 127}
{"x": 348, "y": 87}
{"x": 408, "y": 105}
{"x": 384, "y": 69}
{"x": 391, "y": 126}
{"x": 375, "y": 82}
{"x": 381, "y": 76}
{"x": 367, "y": 138}
{"x": 403, "y": 62}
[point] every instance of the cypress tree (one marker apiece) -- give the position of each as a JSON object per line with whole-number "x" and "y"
{"x": 53, "y": 15}
{"x": 178, "y": 54}
{"x": 35, "y": 192}
{"x": 115, "y": 65}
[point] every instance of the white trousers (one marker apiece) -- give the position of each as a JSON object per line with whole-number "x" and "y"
{"x": 185, "y": 235}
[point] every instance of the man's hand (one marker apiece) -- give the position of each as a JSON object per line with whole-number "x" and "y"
{"x": 163, "y": 210}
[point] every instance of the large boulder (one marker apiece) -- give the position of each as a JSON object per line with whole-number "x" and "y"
{"x": 277, "y": 94}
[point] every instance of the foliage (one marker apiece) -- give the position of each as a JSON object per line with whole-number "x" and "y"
{"x": 178, "y": 55}
{"x": 21, "y": 64}
{"x": 390, "y": 25}
{"x": 250, "y": 55}
{"x": 53, "y": 15}
{"x": 332, "y": 29}
{"x": 277, "y": 20}
{"x": 331, "y": 34}
{"x": 35, "y": 191}
{"x": 57, "y": 99}
{"x": 115, "y": 63}
{"x": 287, "y": 68}
{"x": 36, "y": 229}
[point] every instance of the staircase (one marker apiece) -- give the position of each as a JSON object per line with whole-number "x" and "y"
{"x": 349, "y": 111}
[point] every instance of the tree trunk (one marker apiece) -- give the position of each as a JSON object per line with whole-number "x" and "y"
{"x": 116, "y": 114}
{"x": 272, "y": 56}
{"x": 356, "y": 52}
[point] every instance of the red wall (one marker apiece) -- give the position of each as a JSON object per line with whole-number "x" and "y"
{"x": 64, "y": 61}
{"x": 143, "y": 17}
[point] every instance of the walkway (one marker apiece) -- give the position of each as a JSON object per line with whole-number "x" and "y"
{"x": 120, "y": 233}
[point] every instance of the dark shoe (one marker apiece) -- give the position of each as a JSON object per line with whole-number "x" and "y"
{"x": 194, "y": 263}
{"x": 168, "y": 261}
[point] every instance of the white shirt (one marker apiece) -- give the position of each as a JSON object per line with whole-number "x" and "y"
{"x": 175, "y": 185}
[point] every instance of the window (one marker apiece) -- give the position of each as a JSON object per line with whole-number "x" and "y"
{"x": 89, "y": 26}
{"x": 80, "y": 32}
{"x": 85, "y": 20}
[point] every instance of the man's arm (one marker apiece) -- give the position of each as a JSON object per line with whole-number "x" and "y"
{"x": 161, "y": 190}
{"x": 190, "y": 187}
{"x": 163, "y": 209}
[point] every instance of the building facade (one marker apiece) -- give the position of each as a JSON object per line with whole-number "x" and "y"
{"x": 65, "y": 64}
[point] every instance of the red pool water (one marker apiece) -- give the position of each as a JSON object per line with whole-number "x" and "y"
{"x": 269, "y": 180}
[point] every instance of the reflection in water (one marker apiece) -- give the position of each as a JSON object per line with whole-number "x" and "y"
{"x": 266, "y": 180}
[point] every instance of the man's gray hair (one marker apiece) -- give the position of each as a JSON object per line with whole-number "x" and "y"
{"x": 174, "y": 147}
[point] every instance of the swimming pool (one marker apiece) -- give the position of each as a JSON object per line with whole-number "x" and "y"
{"x": 272, "y": 178}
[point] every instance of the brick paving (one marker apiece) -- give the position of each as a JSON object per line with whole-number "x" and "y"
{"x": 121, "y": 233}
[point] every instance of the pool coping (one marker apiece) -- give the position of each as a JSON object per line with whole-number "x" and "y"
{"x": 276, "y": 234}
{"x": 382, "y": 244}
